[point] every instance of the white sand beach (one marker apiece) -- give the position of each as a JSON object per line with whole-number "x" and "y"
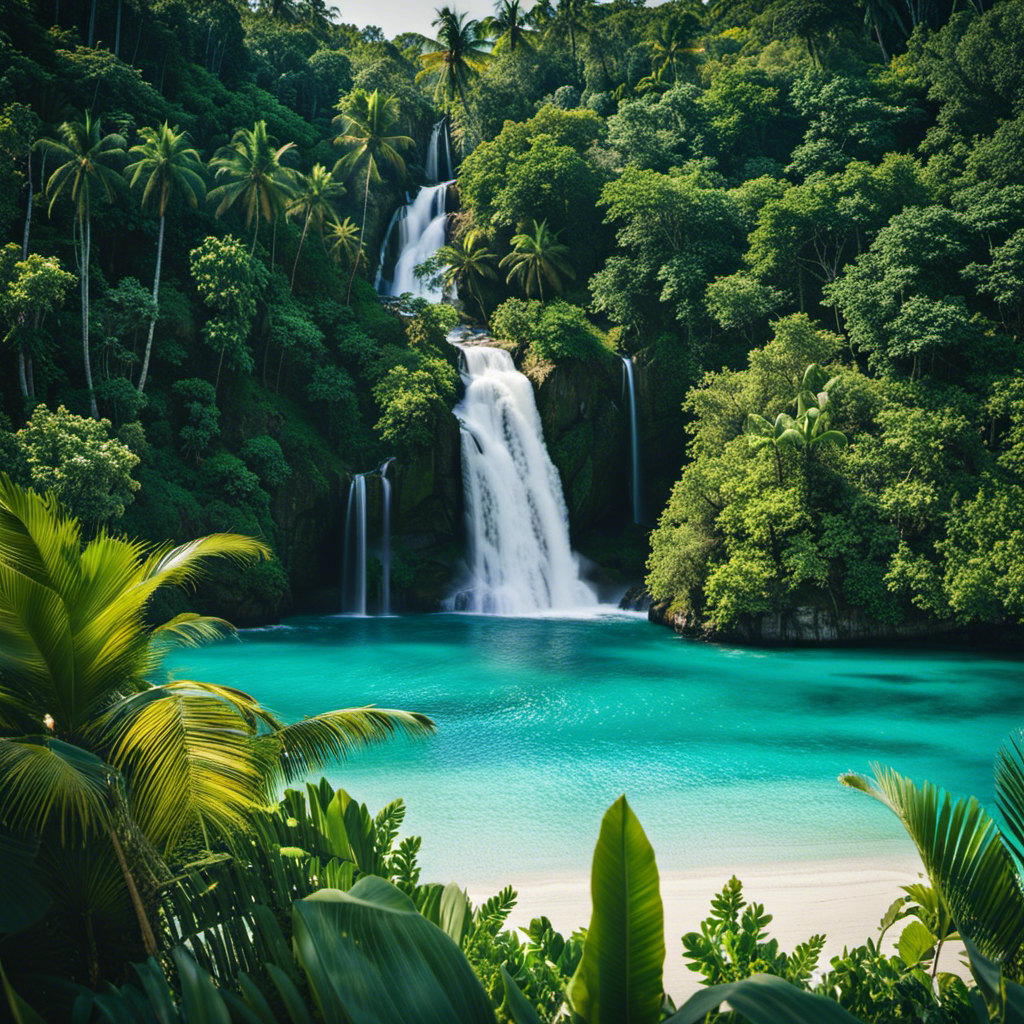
{"x": 845, "y": 899}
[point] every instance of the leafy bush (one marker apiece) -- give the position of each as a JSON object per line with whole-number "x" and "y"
{"x": 79, "y": 460}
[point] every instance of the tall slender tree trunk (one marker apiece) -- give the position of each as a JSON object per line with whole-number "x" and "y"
{"x": 255, "y": 234}
{"x": 273, "y": 243}
{"x": 156, "y": 294}
{"x": 28, "y": 211}
{"x": 298, "y": 253}
{"x": 362, "y": 232}
{"x": 86, "y": 248}
{"x": 220, "y": 363}
{"x": 92, "y": 24}
{"x": 22, "y": 376}
{"x": 30, "y": 373}
{"x": 117, "y": 33}
{"x": 148, "y": 938}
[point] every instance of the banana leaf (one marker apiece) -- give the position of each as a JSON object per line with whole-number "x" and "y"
{"x": 372, "y": 958}
{"x": 763, "y": 999}
{"x": 619, "y": 979}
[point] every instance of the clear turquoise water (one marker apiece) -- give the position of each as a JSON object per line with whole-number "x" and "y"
{"x": 729, "y": 756}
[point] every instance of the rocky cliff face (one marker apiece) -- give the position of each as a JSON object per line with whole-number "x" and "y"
{"x": 808, "y": 624}
{"x": 586, "y": 428}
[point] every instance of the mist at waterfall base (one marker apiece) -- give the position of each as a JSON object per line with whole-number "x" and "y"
{"x": 519, "y": 559}
{"x": 729, "y": 756}
{"x": 421, "y": 226}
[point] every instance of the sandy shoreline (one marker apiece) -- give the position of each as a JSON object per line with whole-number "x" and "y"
{"x": 845, "y": 899}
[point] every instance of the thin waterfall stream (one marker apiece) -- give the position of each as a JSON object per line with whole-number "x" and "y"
{"x": 385, "y": 539}
{"x": 354, "y": 570}
{"x": 636, "y": 487}
{"x": 520, "y": 560}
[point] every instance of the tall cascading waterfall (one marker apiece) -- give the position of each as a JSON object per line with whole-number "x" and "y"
{"x": 636, "y": 488}
{"x": 422, "y": 224}
{"x": 354, "y": 570}
{"x": 520, "y": 560}
{"x": 385, "y": 539}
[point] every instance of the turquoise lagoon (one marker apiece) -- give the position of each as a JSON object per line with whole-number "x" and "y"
{"x": 729, "y": 756}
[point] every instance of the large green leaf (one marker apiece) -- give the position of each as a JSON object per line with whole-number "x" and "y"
{"x": 619, "y": 979}
{"x": 964, "y": 857}
{"x": 371, "y": 958}
{"x": 763, "y": 999}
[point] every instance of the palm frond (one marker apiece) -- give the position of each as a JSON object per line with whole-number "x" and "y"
{"x": 190, "y": 630}
{"x": 1010, "y": 792}
{"x": 189, "y": 756}
{"x": 45, "y": 781}
{"x": 963, "y": 856}
{"x": 181, "y": 565}
{"x": 313, "y": 743}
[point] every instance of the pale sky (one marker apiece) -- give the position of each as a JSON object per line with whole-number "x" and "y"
{"x": 395, "y": 16}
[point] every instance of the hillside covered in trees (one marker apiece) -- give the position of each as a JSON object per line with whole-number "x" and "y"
{"x": 803, "y": 219}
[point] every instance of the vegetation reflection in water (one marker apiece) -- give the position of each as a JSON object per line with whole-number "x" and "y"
{"x": 729, "y": 755}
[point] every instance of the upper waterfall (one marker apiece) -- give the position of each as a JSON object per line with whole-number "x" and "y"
{"x": 520, "y": 560}
{"x": 422, "y": 225}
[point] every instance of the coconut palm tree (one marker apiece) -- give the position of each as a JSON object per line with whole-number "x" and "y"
{"x": 87, "y": 170}
{"x": 462, "y": 51}
{"x": 537, "y": 256}
{"x": 344, "y": 239}
{"x": 672, "y": 44}
{"x": 251, "y": 171}
{"x": 368, "y": 130}
{"x": 464, "y": 262}
{"x": 166, "y": 164}
{"x": 507, "y": 26}
{"x": 92, "y": 747}
{"x": 314, "y": 201}
{"x": 572, "y": 17}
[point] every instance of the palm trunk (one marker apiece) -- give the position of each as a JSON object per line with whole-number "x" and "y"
{"x": 255, "y": 234}
{"x": 86, "y": 248}
{"x": 220, "y": 363}
{"x": 156, "y": 293}
{"x": 362, "y": 232}
{"x": 148, "y": 938}
{"x": 31, "y": 375}
{"x": 273, "y": 243}
{"x": 295, "y": 265}
{"x": 28, "y": 211}
{"x": 117, "y": 33}
{"x": 22, "y": 377}
{"x": 92, "y": 24}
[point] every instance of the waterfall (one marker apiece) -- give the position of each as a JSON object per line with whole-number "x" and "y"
{"x": 422, "y": 225}
{"x": 422, "y": 230}
{"x": 354, "y": 571}
{"x": 385, "y": 540}
{"x": 520, "y": 560}
{"x": 629, "y": 387}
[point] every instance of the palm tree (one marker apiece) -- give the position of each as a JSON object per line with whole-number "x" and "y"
{"x": 671, "y": 43}
{"x": 782, "y": 432}
{"x": 461, "y": 52}
{"x": 90, "y": 747}
{"x": 508, "y": 25}
{"x": 88, "y": 159}
{"x": 465, "y": 261}
{"x": 571, "y": 16}
{"x": 344, "y": 239}
{"x": 368, "y": 130}
{"x": 536, "y": 256}
{"x": 315, "y": 199}
{"x": 169, "y": 165}
{"x": 251, "y": 170}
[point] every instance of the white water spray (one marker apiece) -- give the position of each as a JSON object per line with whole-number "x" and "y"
{"x": 520, "y": 560}
{"x": 629, "y": 388}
